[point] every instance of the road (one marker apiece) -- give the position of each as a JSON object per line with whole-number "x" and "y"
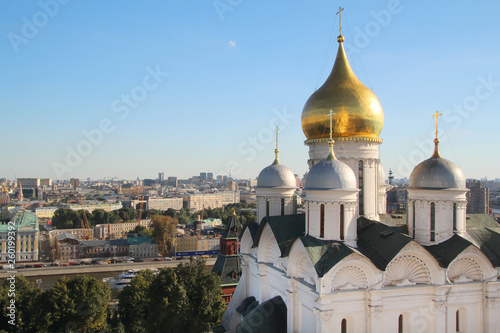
{"x": 83, "y": 269}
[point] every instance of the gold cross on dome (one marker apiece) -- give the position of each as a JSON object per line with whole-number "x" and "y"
{"x": 339, "y": 13}
{"x": 437, "y": 114}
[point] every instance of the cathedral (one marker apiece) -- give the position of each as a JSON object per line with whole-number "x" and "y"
{"x": 347, "y": 266}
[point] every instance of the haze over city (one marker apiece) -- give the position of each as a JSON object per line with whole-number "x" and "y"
{"x": 184, "y": 87}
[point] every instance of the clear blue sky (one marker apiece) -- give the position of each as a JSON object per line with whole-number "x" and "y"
{"x": 233, "y": 66}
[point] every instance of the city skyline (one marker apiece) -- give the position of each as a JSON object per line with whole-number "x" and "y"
{"x": 186, "y": 87}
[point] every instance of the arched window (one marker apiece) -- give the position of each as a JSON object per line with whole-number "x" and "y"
{"x": 343, "y": 326}
{"x": 433, "y": 222}
{"x": 360, "y": 177}
{"x": 322, "y": 221}
{"x": 400, "y": 324}
{"x": 267, "y": 207}
{"x": 282, "y": 206}
{"x": 341, "y": 222}
{"x": 457, "y": 321}
{"x": 454, "y": 217}
{"x": 413, "y": 219}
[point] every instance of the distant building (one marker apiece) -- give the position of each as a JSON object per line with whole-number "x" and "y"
{"x": 74, "y": 183}
{"x": 45, "y": 212}
{"x": 396, "y": 199}
{"x": 26, "y": 233}
{"x": 163, "y": 204}
{"x": 28, "y": 182}
{"x": 229, "y": 197}
{"x": 172, "y": 181}
{"x": 104, "y": 248}
{"x": 477, "y": 197}
{"x": 203, "y": 176}
{"x": 161, "y": 177}
{"x": 142, "y": 247}
{"x": 117, "y": 230}
{"x": 210, "y": 177}
{"x": 67, "y": 247}
{"x": 198, "y": 201}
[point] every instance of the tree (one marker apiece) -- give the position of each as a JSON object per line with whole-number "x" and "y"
{"x": 164, "y": 229}
{"x": 185, "y": 299}
{"x": 141, "y": 230}
{"x": 76, "y": 305}
{"x": 127, "y": 214}
{"x": 26, "y": 297}
{"x": 134, "y": 301}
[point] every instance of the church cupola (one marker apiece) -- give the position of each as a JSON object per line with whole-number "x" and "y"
{"x": 331, "y": 200}
{"x": 358, "y": 120}
{"x": 276, "y": 187}
{"x": 436, "y": 199}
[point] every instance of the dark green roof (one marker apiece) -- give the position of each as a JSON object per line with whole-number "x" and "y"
{"x": 252, "y": 226}
{"x": 225, "y": 267}
{"x": 448, "y": 250}
{"x": 233, "y": 228}
{"x": 324, "y": 254}
{"x": 269, "y": 317}
{"x": 488, "y": 240}
{"x": 480, "y": 221}
{"x": 286, "y": 228}
{"x": 244, "y": 305}
{"x": 379, "y": 242}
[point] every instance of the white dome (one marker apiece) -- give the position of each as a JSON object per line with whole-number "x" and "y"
{"x": 330, "y": 174}
{"x": 437, "y": 172}
{"x": 277, "y": 176}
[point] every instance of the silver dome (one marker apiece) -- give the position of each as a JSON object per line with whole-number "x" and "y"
{"x": 437, "y": 173}
{"x": 276, "y": 175}
{"x": 330, "y": 174}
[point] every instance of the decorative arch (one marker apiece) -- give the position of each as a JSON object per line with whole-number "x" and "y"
{"x": 300, "y": 265}
{"x": 407, "y": 270}
{"x": 268, "y": 249}
{"x": 246, "y": 242}
{"x": 470, "y": 265}
{"x": 350, "y": 277}
{"x": 353, "y": 272}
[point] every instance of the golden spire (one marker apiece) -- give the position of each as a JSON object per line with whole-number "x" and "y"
{"x": 276, "y": 151}
{"x": 340, "y": 38}
{"x": 436, "y": 140}
{"x": 331, "y": 154}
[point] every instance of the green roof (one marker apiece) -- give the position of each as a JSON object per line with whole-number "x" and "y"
{"x": 252, "y": 226}
{"x": 325, "y": 254}
{"x": 233, "y": 227}
{"x": 22, "y": 219}
{"x": 139, "y": 240}
{"x": 286, "y": 228}
{"x": 228, "y": 268}
{"x": 480, "y": 221}
{"x": 393, "y": 219}
{"x": 268, "y": 317}
{"x": 448, "y": 250}
{"x": 379, "y": 242}
{"x": 488, "y": 240}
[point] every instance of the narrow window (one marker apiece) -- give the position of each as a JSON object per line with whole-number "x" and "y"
{"x": 341, "y": 222}
{"x": 360, "y": 176}
{"x": 457, "y": 321}
{"x": 308, "y": 218}
{"x": 413, "y": 219}
{"x": 282, "y": 206}
{"x": 343, "y": 326}
{"x": 400, "y": 324}
{"x": 455, "y": 218}
{"x": 267, "y": 207}
{"x": 322, "y": 221}
{"x": 433, "y": 222}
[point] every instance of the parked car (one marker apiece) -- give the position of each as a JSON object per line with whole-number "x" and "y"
{"x": 54, "y": 264}
{"x": 28, "y": 266}
{"x": 168, "y": 259}
{"x": 72, "y": 263}
{"x": 39, "y": 265}
{"x": 138, "y": 260}
{"x": 157, "y": 259}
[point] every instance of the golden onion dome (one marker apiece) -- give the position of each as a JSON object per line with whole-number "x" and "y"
{"x": 358, "y": 113}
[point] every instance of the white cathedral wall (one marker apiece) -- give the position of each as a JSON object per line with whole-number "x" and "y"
{"x": 275, "y": 195}
{"x": 351, "y": 152}
{"x": 443, "y": 200}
